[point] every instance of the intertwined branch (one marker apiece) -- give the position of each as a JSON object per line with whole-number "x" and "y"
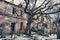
{"x": 38, "y": 8}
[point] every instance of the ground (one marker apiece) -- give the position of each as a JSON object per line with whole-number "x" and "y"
{"x": 33, "y": 37}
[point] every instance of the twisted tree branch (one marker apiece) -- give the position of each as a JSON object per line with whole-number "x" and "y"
{"x": 52, "y": 12}
{"x": 42, "y": 8}
{"x": 51, "y": 7}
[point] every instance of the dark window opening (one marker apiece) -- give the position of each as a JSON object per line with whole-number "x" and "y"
{"x": 14, "y": 10}
{"x": 12, "y": 27}
{"x": 45, "y": 25}
{"x": 21, "y": 25}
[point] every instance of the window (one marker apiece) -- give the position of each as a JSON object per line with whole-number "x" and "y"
{"x": 12, "y": 26}
{"x": 14, "y": 10}
{"x": 21, "y": 25}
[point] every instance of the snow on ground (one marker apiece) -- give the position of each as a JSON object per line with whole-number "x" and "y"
{"x": 52, "y": 36}
{"x": 35, "y": 37}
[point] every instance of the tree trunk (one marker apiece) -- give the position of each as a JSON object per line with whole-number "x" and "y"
{"x": 28, "y": 29}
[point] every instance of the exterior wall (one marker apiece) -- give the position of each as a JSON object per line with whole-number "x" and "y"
{"x": 6, "y": 8}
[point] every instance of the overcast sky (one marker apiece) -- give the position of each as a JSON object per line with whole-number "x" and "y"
{"x": 21, "y": 1}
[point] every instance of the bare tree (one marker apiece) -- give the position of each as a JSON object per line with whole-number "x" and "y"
{"x": 35, "y": 11}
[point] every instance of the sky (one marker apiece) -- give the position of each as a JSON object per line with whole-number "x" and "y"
{"x": 21, "y": 1}
{"x": 17, "y": 2}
